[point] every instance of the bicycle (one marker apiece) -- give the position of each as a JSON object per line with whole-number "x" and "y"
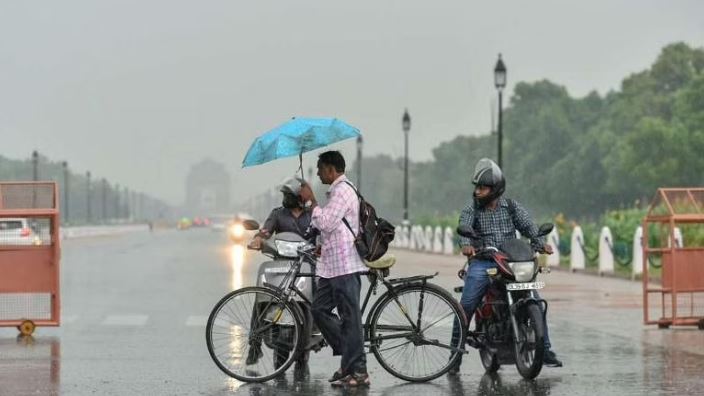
{"x": 408, "y": 328}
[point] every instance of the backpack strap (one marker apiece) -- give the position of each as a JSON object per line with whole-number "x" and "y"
{"x": 511, "y": 212}
{"x": 344, "y": 220}
{"x": 511, "y": 208}
{"x": 359, "y": 196}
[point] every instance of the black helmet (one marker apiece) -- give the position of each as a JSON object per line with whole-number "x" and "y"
{"x": 487, "y": 173}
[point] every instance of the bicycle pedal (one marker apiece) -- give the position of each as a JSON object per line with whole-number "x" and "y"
{"x": 476, "y": 341}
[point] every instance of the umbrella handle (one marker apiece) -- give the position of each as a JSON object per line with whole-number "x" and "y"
{"x": 300, "y": 164}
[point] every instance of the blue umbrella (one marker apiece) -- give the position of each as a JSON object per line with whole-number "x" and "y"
{"x": 296, "y": 137}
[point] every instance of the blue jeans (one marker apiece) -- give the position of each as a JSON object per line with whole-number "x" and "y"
{"x": 476, "y": 283}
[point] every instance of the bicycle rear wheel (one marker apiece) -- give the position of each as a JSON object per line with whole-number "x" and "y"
{"x": 411, "y": 332}
{"x": 247, "y": 332}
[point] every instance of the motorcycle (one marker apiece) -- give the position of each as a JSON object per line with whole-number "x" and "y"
{"x": 510, "y": 322}
{"x": 283, "y": 249}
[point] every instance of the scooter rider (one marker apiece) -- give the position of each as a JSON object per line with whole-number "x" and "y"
{"x": 496, "y": 220}
{"x": 290, "y": 217}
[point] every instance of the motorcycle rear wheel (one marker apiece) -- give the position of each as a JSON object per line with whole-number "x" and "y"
{"x": 530, "y": 348}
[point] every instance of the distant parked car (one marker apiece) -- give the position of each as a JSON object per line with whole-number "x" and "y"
{"x": 17, "y": 231}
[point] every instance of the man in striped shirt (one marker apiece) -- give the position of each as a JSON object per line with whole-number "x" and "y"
{"x": 339, "y": 268}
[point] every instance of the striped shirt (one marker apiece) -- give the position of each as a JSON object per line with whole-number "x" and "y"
{"x": 496, "y": 226}
{"x": 338, "y": 255}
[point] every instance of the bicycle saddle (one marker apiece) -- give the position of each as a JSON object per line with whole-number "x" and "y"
{"x": 384, "y": 262}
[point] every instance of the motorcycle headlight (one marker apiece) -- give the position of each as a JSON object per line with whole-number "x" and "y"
{"x": 288, "y": 249}
{"x": 523, "y": 270}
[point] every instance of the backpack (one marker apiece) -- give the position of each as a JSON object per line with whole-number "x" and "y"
{"x": 375, "y": 233}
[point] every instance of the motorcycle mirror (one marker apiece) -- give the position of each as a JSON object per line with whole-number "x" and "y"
{"x": 250, "y": 225}
{"x": 467, "y": 232}
{"x": 545, "y": 229}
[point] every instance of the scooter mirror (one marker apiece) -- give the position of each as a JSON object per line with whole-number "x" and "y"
{"x": 545, "y": 229}
{"x": 250, "y": 225}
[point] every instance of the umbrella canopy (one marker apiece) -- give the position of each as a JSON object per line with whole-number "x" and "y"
{"x": 296, "y": 137}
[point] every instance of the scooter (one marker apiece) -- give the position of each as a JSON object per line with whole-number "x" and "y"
{"x": 283, "y": 248}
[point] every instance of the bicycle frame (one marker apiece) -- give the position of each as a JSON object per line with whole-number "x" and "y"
{"x": 287, "y": 289}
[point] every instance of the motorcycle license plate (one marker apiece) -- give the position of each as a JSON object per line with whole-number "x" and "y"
{"x": 525, "y": 286}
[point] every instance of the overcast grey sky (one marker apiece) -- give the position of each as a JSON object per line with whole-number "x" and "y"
{"x": 137, "y": 91}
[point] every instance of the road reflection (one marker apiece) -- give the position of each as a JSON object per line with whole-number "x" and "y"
{"x": 237, "y": 252}
{"x": 491, "y": 384}
{"x": 30, "y": 365}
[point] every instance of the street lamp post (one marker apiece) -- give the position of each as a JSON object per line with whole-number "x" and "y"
{"x": 35, "y": 176}
{"x": 35, "y": 165}
{"x": 66, "y": 191}
{"x": 104, "y": 207}
{"x": 500, "y": 83}
{"x": 116, "y": 202}
{"x": 406, "y": 123}
{"x": 88, "y": 199}
{"x": 359, "y": 162}
{"x": 126, "y": 204}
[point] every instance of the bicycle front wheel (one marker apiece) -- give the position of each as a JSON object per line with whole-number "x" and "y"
{"x": 411, "y": 332}
{"x": 253, "y": 335}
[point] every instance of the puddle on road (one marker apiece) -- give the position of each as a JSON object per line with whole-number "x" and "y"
{"x": 30, "y": 365}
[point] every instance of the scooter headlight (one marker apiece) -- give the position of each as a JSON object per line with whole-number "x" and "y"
{"x": 237, "y": 230}
{"x": 288, "y": 249}
{"x": 523, "y": 270}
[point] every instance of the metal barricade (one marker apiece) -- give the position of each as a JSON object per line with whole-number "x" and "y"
{"x": 29, "y": 255}
{"x": 679, "y": 298}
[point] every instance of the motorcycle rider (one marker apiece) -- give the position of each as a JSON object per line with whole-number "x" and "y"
{"x": 495, "y": 219}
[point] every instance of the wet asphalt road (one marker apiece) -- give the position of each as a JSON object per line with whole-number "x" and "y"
{"x": 135, "y": 306}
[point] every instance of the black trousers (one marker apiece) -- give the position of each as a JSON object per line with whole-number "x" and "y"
{"x": 344, "y": 333}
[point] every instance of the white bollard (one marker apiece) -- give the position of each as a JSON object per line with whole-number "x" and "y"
{"x": 606, "y": 256}
{"x": 412, "y": 237}
{"x": 577, "y": 259}
{"x": 398, "y": 235}
{"x": 428, "y": 239}
{"x": 417, "y": 237}
{"x": 553, "y": 239}
{"x": 406, "y": 237}
{"x": 437, "y": 240}
{"x": 679, "y": 242}
{"x": 637, "y": 261}
{"x": 448, "y": 243}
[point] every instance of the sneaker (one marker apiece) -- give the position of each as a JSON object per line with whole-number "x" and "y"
{"x": 550, "y": 359}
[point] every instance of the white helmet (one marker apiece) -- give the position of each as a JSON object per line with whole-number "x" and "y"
{"x": 292, "y": 185}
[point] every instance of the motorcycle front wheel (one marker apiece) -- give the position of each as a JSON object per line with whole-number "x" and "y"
{"x": 530, "y": 348}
